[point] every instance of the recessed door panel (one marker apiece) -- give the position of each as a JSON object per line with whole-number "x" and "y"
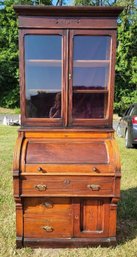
{"x": 91, "y": 217}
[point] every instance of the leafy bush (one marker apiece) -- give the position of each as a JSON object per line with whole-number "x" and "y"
{"x": 127, "y": 99}
{"x": 11, "y": 98}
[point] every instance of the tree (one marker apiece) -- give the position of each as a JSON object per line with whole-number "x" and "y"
{"x": 8, "y": 56}
{"x": 9, "y": 81}
{"x": 126, "y": 65}
{"x": 94, "y": 2}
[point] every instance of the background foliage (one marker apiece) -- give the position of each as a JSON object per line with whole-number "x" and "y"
{"x": 126, "y": 65}
{"x": 9, "y": 75}
{"x": 126, "y": 62}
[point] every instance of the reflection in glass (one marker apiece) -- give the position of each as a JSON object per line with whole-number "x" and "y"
{"x": 90, "y": 78}
{"x": 46, "y": 47}
{"x": 43, "y": 73}
{"x": 44, "y": 105}
{"x": 86, "y": 106}
{"x": 91, "y": 62}
{"x": 55, "y": 110}
{"x": 91, "y": 47}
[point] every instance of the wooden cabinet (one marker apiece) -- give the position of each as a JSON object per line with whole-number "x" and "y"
{"x": 66, "y": 169}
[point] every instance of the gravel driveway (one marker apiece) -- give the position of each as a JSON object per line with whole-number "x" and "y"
{"x": 15, "y": 117}
{"x": 10, "y": 117}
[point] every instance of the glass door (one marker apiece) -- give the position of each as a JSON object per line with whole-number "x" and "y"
{"x": 44, "y": 90}
{"x": 89, "y": 71}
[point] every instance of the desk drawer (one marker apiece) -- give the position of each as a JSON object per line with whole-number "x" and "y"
{"x": 67, "y": 186}
{"x": 69, "y": 168}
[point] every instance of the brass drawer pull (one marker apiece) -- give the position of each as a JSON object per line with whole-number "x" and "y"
{"x": 48, "y": 228}
{"x": 94, "y": 187}
{"x": 48, "y": 205}
{"x": 41, "y": 187}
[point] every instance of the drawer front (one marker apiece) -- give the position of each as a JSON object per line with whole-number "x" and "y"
{"x": 69, "y": 168}
{"x": 48, "y": 217}
{"x": 67, "y": 185}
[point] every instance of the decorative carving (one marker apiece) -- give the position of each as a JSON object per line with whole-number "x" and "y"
{"x": 68, "y": 21}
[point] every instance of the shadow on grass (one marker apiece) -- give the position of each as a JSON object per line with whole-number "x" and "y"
{"x": 127, "y": 216}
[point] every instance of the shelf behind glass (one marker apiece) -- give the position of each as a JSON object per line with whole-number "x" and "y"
{"x": 43, "y": 62}
{"x": 92, "y": 91}
{"x": 91, "y": 63}
{"x": 77, "y": 63}
{"x": 43, "y": 90}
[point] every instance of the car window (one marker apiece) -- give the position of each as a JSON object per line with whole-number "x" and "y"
{"x": 127, "y": 111}
{"x": 134, "y": 111}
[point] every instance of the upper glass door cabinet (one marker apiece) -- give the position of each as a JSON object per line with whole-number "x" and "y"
{"x": 67, "y": 77}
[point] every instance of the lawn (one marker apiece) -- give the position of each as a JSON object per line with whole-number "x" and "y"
{"x": 9, "y": 111}
{"x": 127, "y": 209}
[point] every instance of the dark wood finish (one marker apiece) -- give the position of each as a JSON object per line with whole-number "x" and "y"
{"x": 66, "y": 171}
{"x": 66, "y": 23}
{"x": 68, "y": 69}
{"x": 41, "y": 121}
{"x": 107, "y": 121}
{"x": 70, "y": 11}
{"x": 69, "y": 243}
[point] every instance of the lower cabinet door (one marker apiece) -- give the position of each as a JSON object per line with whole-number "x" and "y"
{"x": 91, "y": 217}
{"x": 48, "y": 218}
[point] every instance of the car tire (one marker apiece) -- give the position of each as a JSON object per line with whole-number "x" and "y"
{"x": 118, "y": 131}
{"x": 127, "y": 140}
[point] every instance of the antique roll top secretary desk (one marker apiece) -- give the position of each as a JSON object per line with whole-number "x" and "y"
{"x": 66, "y": 169}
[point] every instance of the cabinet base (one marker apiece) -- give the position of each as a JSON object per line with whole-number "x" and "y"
{"x": 65, "y": 243}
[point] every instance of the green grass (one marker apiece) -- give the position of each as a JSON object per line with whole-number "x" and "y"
{"x": 9, "y": 111}
{"x": 127, "y": 209}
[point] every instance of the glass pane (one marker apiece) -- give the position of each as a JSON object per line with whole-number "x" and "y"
{"x": 91, "y": 62}
{"x": 133, "y": 111}
{"x": 91, "y": 47}
{"x": 43, "y": 75}
{"x": 90, "y": 78}
{"x": 86, "y": 106}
